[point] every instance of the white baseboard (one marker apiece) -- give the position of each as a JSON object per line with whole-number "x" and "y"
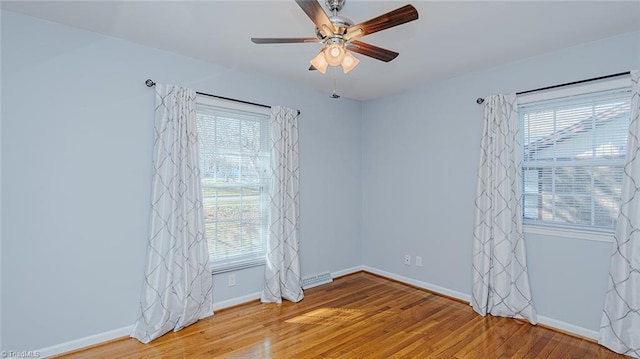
{"x": 84, "y": 342}
{"x": 347, "y": 271}
{"x": 568, "y": 327}
{"x": 236, "y": 301}
{"x": 419, "y": 284}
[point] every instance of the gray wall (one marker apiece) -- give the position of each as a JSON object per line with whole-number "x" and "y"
{"x": 420, "y": 155}
{"x": 77, "y": 125}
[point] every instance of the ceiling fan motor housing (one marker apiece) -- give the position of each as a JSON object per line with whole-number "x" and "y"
{"x": 340, "y": 25}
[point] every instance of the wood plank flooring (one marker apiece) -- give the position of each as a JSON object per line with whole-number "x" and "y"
{"x": 357, "y": 316}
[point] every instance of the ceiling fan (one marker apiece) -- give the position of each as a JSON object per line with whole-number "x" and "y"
{"x": 338, "y": 34}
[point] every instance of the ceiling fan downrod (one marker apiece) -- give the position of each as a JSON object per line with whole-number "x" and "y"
{"x": 335, "y": 5}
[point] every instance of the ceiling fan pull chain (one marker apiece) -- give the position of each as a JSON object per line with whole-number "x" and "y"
{"x": 334, "y": 94}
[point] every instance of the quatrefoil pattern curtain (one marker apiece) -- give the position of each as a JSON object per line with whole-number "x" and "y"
{"x": 620, "y": 325}
{"x": 282, "y": 272}
{"x": 500, "y": 279}
{"x": 177, "y": 288}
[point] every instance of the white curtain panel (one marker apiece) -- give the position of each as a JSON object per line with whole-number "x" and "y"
{"x": 282, "y": 272}
{"x": 500, "y": 279}
{"x": 620, "y": 325}
{"x": 177, "y": 288}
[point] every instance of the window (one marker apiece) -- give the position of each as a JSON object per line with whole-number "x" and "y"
{"x": 573, "y": 157}
{"x": 234, "y": 166}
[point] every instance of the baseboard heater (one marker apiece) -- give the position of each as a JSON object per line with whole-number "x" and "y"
{"x": 316, "y": 280}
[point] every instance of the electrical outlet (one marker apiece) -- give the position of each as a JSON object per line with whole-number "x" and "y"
{"x": 407, "y": 260}
{"x": 232, "y": 279}
{"x": 418, "y": 261}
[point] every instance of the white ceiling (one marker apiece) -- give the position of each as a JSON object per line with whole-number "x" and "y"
{"x": 449, "y": 39}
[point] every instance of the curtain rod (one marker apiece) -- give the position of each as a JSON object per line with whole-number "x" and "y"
{"x": 150, "y": 83}
{"x": 480, "y": 100}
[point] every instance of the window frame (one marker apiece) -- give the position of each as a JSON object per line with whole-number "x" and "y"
{"x": 557, "y": 229}
{"x": 256, "y": 258}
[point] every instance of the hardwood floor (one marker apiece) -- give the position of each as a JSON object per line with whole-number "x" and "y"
{"x": 357, "y": 316}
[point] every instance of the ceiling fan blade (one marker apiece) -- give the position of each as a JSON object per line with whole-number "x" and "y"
{"x": 282, "y": 40}
{"x": 393, "y": 18}
{"x": 316, "y": 13}
{"x": 376, "y": 52}
{"x": 312, "y": 68}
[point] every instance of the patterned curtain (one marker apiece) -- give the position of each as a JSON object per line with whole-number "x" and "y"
{"x": 620, "y": 325}
{"x": 500, "y": 279}
{"x": 178, "y": 284}
{"x": 282, "y": 272}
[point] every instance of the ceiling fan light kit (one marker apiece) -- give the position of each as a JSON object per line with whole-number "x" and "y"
{"x": 337, "y": 34}
{"x": 334, "y": 56}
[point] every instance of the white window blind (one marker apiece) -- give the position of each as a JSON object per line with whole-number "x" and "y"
{"x": 573, "y": 158}
{"x": 234, "y": 166}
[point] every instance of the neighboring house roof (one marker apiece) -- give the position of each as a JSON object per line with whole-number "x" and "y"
{"x": 606, "y": 120}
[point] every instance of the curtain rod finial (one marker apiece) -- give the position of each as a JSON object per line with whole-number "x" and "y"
{"x": 479, "y": 100}
{"x": 150, "y": 83}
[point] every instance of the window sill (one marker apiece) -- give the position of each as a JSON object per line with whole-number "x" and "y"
{"x": 230, "y": 267}
{"x": 590, "y": 235}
